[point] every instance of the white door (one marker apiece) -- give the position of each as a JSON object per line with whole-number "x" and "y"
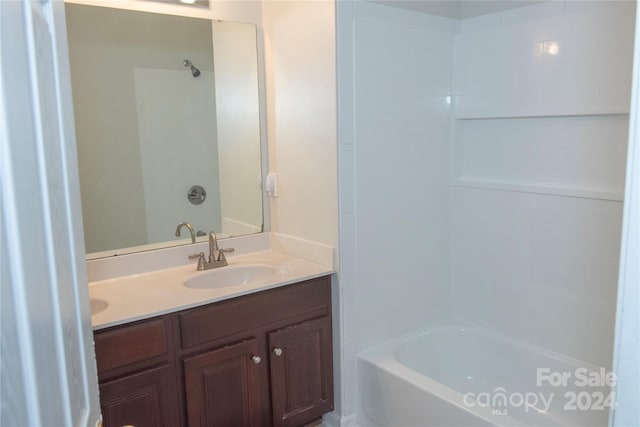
{"x": 47, "y": 367}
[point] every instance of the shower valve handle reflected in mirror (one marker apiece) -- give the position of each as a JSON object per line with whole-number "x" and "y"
{"x": 196, "y": 195}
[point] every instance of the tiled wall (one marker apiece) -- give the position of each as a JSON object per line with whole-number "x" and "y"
{"x": 402, "y": 75}
{"x": 538, "y": 172}
{"x": 541, "y": 268}
{"x": 394, "y": 80}
{"x": 553, "y": 58}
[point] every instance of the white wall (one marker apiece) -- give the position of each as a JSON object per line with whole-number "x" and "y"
{"x": 395, "y": 71}
{"x": 542, "y": 96}
{"x": 301, "y": 111}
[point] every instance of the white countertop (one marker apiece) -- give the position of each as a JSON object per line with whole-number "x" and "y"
{"x": 145, "y": 295}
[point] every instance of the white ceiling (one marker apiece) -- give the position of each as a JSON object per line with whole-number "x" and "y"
{"x": 458, "y": 9}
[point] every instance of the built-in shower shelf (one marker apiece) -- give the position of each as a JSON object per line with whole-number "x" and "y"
{"x": 548, "y": 115}
{"x": 537, "y": 188}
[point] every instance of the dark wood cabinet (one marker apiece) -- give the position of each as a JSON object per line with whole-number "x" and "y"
{"x": 222, "y": 387}
{"x": 258, "y": 360}
{"x": 142, "y": 399}
{"x": 301, "y": 374}
{"x": 136, "y": 374}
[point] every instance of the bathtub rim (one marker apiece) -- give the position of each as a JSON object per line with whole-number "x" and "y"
{"x": 454, "y": 323}
{"x": 384, "y": 357}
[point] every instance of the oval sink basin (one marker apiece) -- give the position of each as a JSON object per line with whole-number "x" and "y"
{"x": 98, "y": 305}
{"x": 229, "y": 276}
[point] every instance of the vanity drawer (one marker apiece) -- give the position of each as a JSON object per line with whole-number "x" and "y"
{"x": 129, "y": 344}
{"x": 219, "y": 320}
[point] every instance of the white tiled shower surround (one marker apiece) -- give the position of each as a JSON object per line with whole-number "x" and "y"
{"x": 540, "y": 263}
{"x": 394, "y": 210}
{"x": 502, "y": 208}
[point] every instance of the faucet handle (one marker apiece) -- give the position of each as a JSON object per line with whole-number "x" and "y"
{"x": 221, "y": 258}
{"x": 201, "y": 260}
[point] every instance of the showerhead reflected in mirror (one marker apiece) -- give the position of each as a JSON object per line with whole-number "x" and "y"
{"x": 194, "y": 71}
{"x": 157, "y": 113}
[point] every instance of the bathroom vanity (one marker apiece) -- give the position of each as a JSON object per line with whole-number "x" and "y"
{"x": 257, "y": 353}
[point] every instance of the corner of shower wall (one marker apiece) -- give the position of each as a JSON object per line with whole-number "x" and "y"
{"x": 394, "y": 71}
{"x": 347, "y": 217}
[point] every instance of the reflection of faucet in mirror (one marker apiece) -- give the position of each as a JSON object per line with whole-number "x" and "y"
{"x": 186, "y": 224}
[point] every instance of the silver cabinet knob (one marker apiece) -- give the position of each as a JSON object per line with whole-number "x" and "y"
{"x": 256, "y": 359}
{"x": 277, "y": 351}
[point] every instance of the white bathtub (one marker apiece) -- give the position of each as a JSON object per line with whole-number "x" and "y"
{"x": 456, "y": 374}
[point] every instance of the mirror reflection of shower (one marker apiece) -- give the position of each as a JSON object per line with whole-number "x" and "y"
{"x": 194, "y": 71}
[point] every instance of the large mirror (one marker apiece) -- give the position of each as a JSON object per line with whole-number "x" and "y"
{"x": 167, "y": 125}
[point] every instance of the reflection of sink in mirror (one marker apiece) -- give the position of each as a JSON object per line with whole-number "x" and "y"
{"x": 225, "y": 277}
{"x": 98, "y": 305}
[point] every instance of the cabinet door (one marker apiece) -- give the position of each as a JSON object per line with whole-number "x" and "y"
{"x": 144, "y": 399}
{"x": 223, "y": 387}
{"x": 301, "y": 372}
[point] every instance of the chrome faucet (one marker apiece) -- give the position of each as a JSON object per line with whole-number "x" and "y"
{"x": 216, "y": 255}
{"x": 186, "y": 224}
{"x": 214, "y": 251}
